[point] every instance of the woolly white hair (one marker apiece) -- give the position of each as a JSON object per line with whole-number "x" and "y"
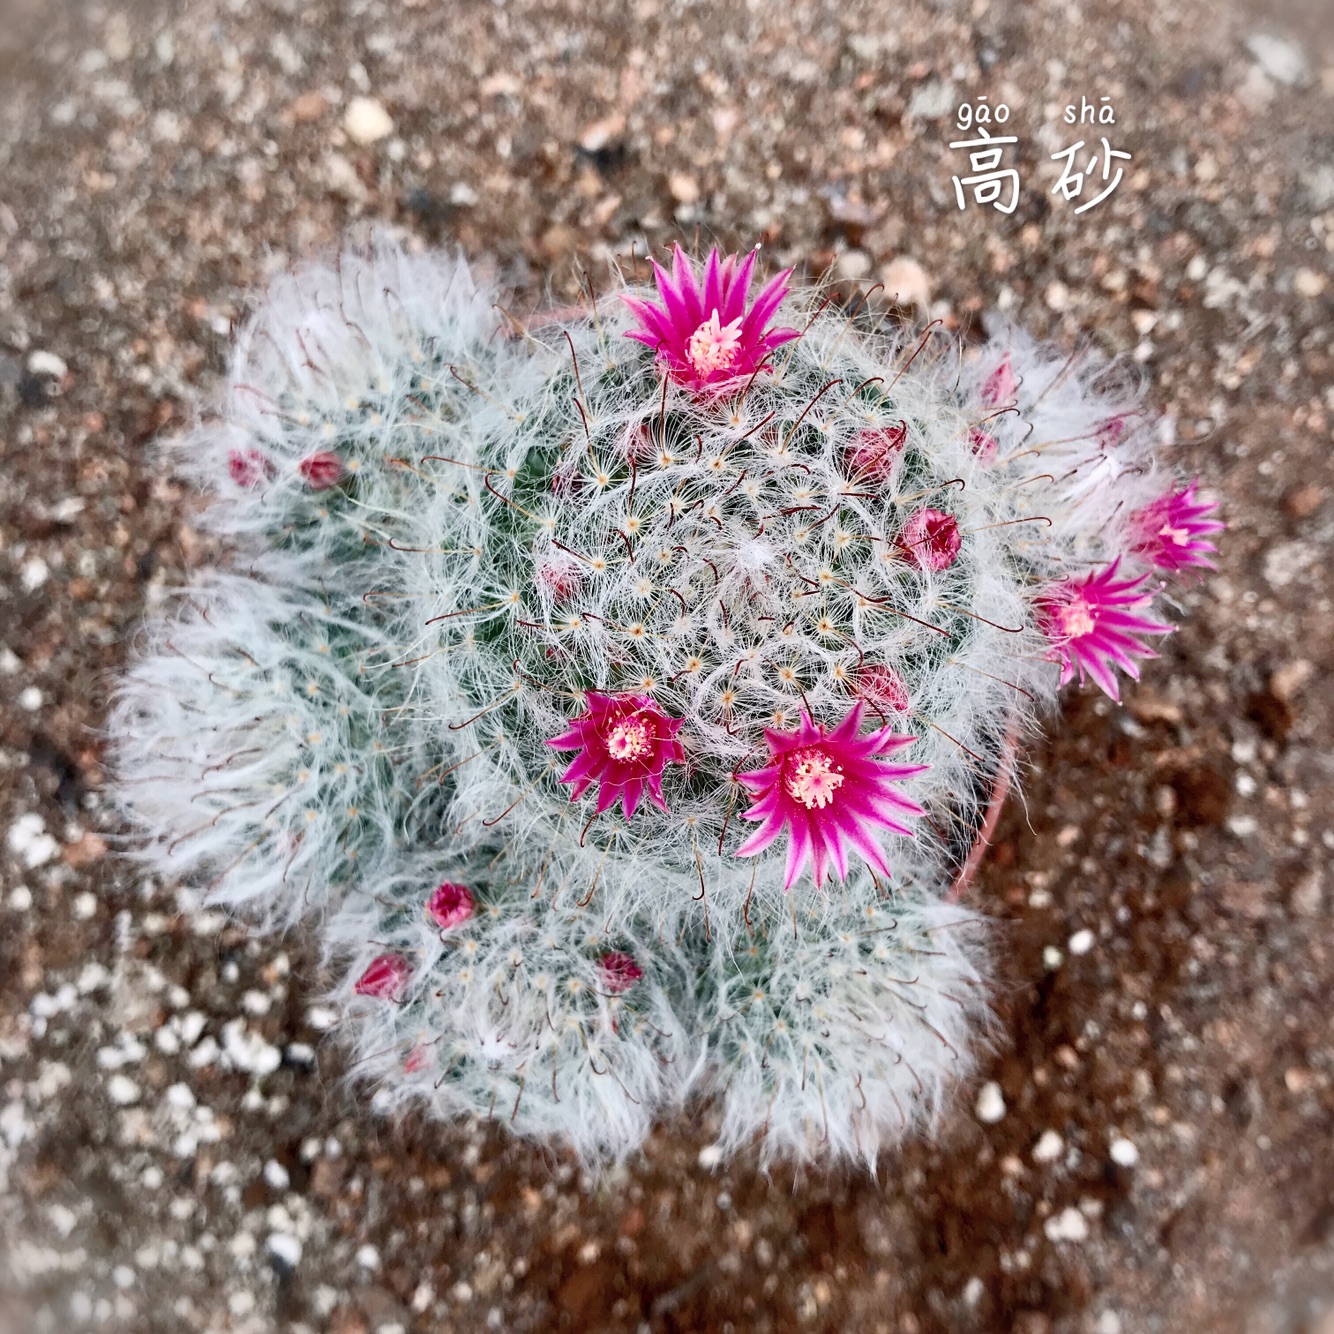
{"x": 838, "y": 1035}
{"x": 447, "y": 528}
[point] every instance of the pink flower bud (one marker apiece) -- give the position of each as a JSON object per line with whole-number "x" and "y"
{"x": 875, "y": 450}
{"x": 930, "y": 539}
{"x": 321, "y": 470}
{"x": 248, "y": 467}
{"x": 619, "y": 971}
{"x": 450, "y": 905}
{"x": 385, "y": 977}
{"x": 983, "y": 444}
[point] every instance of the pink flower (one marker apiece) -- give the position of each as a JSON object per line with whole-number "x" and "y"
{"x": 1000, "y": 385}
{"x": 875, "y": 449}
{"x": 883, "y": 689}
{"x": 983, "y": 444}
{"x": 706, "y": 337}
{"x": 450, "y": 905}
{"x": 619, "y": 971}
{"x": 385, "y": 976}
{"x": 248, "y": 467}
{"x": 931, "y": 539}
{"x": 1172, "y": 531}
{"x": 1093, "y": 623}
{"x": 624, "y": 743}
{"x": 321, "y": 470}
{"x": 831, "y": 793}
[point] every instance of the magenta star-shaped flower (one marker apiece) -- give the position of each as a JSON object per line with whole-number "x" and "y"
{"x": 1094, "y": 624}
{"x": 1172, "y": 532}
{"x": 705, "y": 334}
{"x": 624, "y": 744}
{"x": 832, "y": 792}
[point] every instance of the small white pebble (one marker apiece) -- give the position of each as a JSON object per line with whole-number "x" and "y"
{"x": 123, "y": 1276}
{"x": 47, "y": 363}
{"x": 1068, "y": 1225}
{"x": 256, "y": 1003}
{"x": 990, "y": 1106}
{"x": 242, "y": 1245}
{"x": 191, "y": 1026}
{"x": 321, "y": 1017}
{"x": 276, "y": 1175}
{"x": 461, "y": 1293}
{"x": 368, "y": 1257}
{"x": 181, "y": 1096}
{"x": 34, "y": 574}
{"x": 286, "y": 1248}
{"x": 710, "y": 1156}
{"x": 29, "y": 842}
{"x": 366, "y": 121}
{"x": 30, "y": 699}
{"x": 1124, "y": 1153}
{"x": 1049, "y": 1147}
{"x": 85, "y": 906}
{"x": 241, "y": 1303}
{"x": 93, "y": 977}
{"x": 1052, "y": 958}
{"x": 122, "y": 1090}
{"x": 204, "y": 1054}
{"x": 300, "y": 1053}
{"x": 1307, "y": 282}
{"x": 20, "y": 898}
{"x": 973, "y": 1291}
{"x": 1081, "y": 942}
{"x": 1108, "y": 1323}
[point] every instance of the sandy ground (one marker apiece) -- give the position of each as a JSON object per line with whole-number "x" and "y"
{"x": 1165, "y": 1020}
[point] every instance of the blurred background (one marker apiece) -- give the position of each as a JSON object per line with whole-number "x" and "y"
{"x": 1149, "y": 1146}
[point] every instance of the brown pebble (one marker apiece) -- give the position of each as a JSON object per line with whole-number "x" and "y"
{"x": 1248, "y": 898}
{"x": 348, "y": 1320}
{"x": 1303, "y": 501}
{"x": 1287, "y": 680}
{"x": 308, "y": 107}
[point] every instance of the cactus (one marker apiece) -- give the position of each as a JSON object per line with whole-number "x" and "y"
{"x": 618, "y": 695}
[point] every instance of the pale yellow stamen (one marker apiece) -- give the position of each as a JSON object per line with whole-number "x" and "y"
{"x": 714, "y": 346}
{"x": 1076, "y": 620}
{"x": 628, "y": 740}
{"x": 812, "y": 778}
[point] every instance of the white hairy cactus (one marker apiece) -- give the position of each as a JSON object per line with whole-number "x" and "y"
{"x": 538, "y": 641}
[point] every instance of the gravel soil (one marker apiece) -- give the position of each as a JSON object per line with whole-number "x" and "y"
{"x": 1149, "y": 1146}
